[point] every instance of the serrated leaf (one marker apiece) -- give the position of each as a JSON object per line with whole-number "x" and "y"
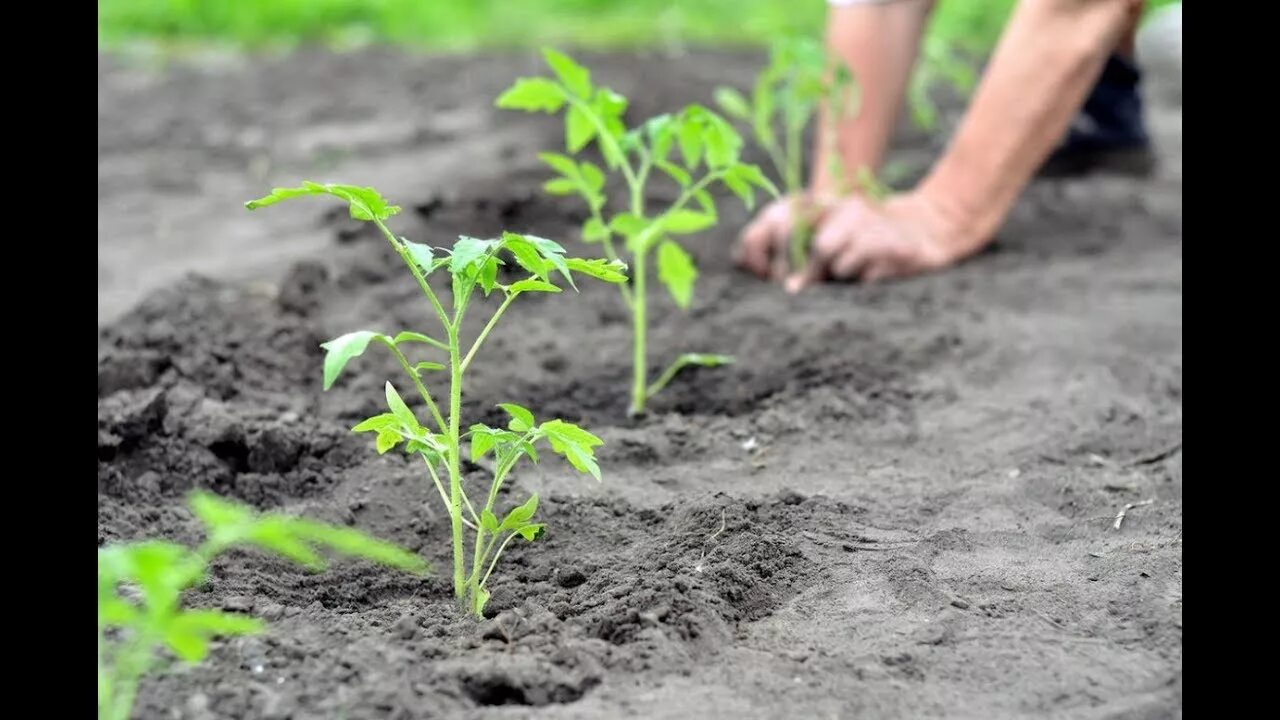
{"x": 552, "y": 252}
{"x": 683, "y": 222}
{"x": 574, "y": 443}
{"x": 532, "y": 531}
{"x": 387, "y": 438}
{"x": 364, "y": 203}
{"x": 560, "y": 186}
{"x": 733, "y": 103}
{"x": 722, "y": 142}
{"x": 520, "y": 515}
{"x": 526, "y": 253}
{"x": 536, "y": 94}
{"x": 593, "y": 231}
{"x": 482, "y": 441}
{"x": 742, "y": 189}
{"x": 377, "y": 423}
{"x": 533, "y": 286}
{"x": 356, "y": 544}
{"x": 423, "y": 255}
{"x": 677, "y": 272}
{"x": 521, "y": 418}
{"x": 340, "y": 350}
{"x": 400, "y": 409}
{"x": 489, "y": 521}
{"x": 466, "y": 252}
{"x": 610, "y": 271}
{"x": 574, "y": 76}
{"x": 578, "y": 129}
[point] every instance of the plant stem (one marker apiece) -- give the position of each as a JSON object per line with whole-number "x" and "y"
{"x": 455, "y": 471}
{"x": 403, "y": 252}
{"x": 639, "y": 323}
{"x": 488, "y": 327}
{"x": 799, "y": 231}
{"x": 417, "y": 381}
{"x": 435, "y": 479}
{"x": 494, "y": 562}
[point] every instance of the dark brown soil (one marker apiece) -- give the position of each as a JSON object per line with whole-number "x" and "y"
{"x": 916, "y": 480}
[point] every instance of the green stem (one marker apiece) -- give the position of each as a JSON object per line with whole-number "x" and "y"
{"x": 494, "y": 562}
{"x": 639, "y": 322}
{"x": 435, "y": 478}
{"x": 417, "y": 381}
{"x": 487, "y": 328}
{"x": 455, "y": 472}
{"x": 403, "y": 252}
{"x": 667, "y": 376}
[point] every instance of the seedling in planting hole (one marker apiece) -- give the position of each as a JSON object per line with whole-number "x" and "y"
{"x": 140, "y": 586}
{"x": 798, "y": 81}
{"x": 472, "y": 265}
{"x": 707, "y": 152}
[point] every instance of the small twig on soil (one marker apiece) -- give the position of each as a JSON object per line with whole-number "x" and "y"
{"x": 1124, "y": 510}
{"x": 1157, "y": 457}
{"x": 698, "y": 566}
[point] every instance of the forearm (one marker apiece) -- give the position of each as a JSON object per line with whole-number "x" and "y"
{"x": 1050, "y": 55}
{"x": 879, "y": 41}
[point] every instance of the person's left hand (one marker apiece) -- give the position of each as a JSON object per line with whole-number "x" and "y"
{"x": 859, "y": 238}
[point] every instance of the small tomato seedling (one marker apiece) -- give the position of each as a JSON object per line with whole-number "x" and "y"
{"x": 706, "y": 152}
{"x": 472, "y": 265}
{"x": 798, "y": 82}
{"x": 140, "y": 586}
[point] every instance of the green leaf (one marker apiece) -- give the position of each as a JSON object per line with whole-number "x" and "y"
{"x": 400, "y": 409}
{"x": 532, "y": 532}
{"x": 521, "y": 515}
{"x": 733, "y": 103}
{"x": 552, "y": 252}
{"x": 560, "y": 186}
{"x": 427, "y": 367}
{"x": 353, "y": 543}
{"x": 364, "y": 202}
{"x": 722, "y": 142}
{"x": 421, "y": 254}
{"x": 533, "y": 286}
{"x": 489, "y": 275}
{"x": 387, "y": 439}
{"x": 610, "y": 271}
{"x": 742, "y": 189}
{"x": 593, "y": 231}
{"x": 627, "y": 224}
{"x": 521, "y": 418}
{"x": 189, "y": 632}
{"x": 377, "y": 423}
{"x": 690, "y": 139}
{"x": 677, "y": 272}
{"x": 466, "y": 252}
{"x": 482, "y": 599}
{"x": 574, "y": 76}
{"x": 482, "y": 441}
{"x": 340, "y": 350}
{"x": 592, "y": 176}
{"x": 681, "y": 177}
{"x": 562, "y": 164}
{"x": 536, "y": 94}
{"x": 578, "y": 129}
{"x": 705, "y": 359}
{"x": 683, "y": 222}
{"x": 526, "y": 253}
{"x": 575, "y": 444}
{"x": 409, "y": 336}
{"x": 489, "y": 521}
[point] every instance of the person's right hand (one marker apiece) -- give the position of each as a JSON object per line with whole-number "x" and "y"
{"x": 762, "y": 246}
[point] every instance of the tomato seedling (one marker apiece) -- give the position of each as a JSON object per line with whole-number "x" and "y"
{"x": 799, "y": 81}
{"x": 472, "y": 265}
{"x": 707, "y": 152}
{"x": 140, "y": 586}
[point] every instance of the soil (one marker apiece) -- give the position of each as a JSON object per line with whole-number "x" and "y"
{"x": 899, "y": 504}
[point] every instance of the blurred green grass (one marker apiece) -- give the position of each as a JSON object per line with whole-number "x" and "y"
{"x": 460, "y": 25}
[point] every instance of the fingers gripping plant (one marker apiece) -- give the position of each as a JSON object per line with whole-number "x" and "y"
{"x": 798, "y": 82}
{"x": 140, "y": 588}
{"x": 695, "y": 148}
{"x": 472, "y": 265}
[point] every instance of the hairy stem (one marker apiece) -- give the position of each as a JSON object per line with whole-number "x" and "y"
{"x": 487, "y": 328}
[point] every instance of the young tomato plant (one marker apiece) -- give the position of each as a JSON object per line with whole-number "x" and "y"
{"x": 706, "y": 151}
{"x": 798, "y": 82}
{"x": 140, "y": 588}
{"x": 472, "y": 265}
